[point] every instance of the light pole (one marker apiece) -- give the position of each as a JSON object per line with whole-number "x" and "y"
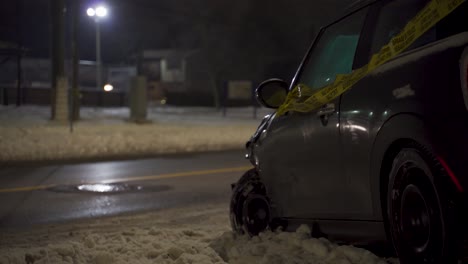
{"x": 98, "y": 13}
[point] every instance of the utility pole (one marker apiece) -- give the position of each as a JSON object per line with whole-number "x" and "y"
{"x": 98, "y": 62}
{"x": 98, "y": 13}
{"x": 19, "y": 53}
{"x": 59, "y": 91}
{"x": 75, "y": 101}
{"x": 98, "y": 56}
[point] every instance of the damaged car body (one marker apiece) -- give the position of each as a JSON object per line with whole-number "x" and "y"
{"x": 383, "y": 162}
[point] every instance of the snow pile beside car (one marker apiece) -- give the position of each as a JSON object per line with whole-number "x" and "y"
{"x": 181, "y": 236}
{"x": 288, "y": 248}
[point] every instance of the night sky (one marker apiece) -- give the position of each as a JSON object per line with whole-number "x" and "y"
{"x": 149, "y": 24}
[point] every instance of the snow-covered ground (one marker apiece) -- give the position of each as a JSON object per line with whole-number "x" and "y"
{"x": 27, "y": 134}
{"x": 196, "y": 234}
{"x": 185, "y": 235}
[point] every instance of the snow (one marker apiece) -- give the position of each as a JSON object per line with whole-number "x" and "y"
{"x": 196, "y": 234}
{"x": 26, "y": 134}
{"x": 289, "y": 248}
{"x": 424, "y": 51}
{"x": 171, "y": 236}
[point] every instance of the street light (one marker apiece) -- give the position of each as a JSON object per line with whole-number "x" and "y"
{"x": 97, "y": 12}
{"x": 108, "y": 87}
{"x": 91, "y": 12}
{"x": 101, "y": 11}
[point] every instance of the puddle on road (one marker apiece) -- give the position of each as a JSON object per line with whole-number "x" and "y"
{"x": 106, "y": 188}
{"x": 111, "y": 188}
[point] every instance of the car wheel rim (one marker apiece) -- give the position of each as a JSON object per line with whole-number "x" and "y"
{"x": 415, "y": 221}
{"x": 417, "y": 228}
{"x": 256, "y": 214}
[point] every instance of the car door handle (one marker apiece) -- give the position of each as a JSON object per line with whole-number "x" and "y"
{"x": 326, "y": 110}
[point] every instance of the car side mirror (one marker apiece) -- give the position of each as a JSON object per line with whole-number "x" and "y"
{"x": 272, "y": 93}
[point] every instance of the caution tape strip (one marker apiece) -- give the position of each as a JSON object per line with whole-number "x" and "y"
{"x": 304, "y": 99}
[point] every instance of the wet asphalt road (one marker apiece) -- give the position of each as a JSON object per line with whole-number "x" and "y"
{"x": 40, "y": 194}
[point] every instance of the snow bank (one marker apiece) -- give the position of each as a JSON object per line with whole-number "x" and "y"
{"x": 289, "y": 248}
{"x": 137, "y": 246}
{"x": 119, "y": 140}
{"x": 187, "y": 235}
{"x": 171, "y": 236}
{"x": 27, "y": 135}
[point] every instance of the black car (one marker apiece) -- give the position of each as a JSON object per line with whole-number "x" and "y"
{"x": 387, "y": 160}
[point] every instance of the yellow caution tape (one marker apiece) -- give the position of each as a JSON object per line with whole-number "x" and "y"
{"x": 305, "y": 99}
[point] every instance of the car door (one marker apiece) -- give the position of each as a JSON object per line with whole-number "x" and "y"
{"x": 363, "y": 109}
{"x": 300, "y": 153}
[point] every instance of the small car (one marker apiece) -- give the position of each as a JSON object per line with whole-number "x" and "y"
{"x": 384, "y": 162}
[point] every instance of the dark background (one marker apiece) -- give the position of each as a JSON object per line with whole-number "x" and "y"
{"x": 249, "y": 29}
{"x": 244, "y": 39}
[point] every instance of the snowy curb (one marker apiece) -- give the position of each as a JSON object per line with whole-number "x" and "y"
{"x": 101, "y": 141}
{"x": 27, "y": 134}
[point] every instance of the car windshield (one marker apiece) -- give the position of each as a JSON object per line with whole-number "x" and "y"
{"x": 336, "y": 58}
{"x": 334, "y": 52}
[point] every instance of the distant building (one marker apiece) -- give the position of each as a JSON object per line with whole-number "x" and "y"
{"x": 36, "y": 81}
{"x": 176, "y": 75}
{"x": 120, "y": 77}
{"x": 179, "y": 77}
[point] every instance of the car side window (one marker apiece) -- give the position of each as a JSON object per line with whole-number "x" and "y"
{"x": 454, "y": 23}
{"x": 334, "y": 51}
{"x": 392, "y": 18}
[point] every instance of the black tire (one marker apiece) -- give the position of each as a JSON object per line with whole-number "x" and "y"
{"x": 421, "y": 210}
{"x": 250, "y": 208}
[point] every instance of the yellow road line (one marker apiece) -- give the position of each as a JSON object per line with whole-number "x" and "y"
{"x": 142, "y": 178}
{"x": 27, "y": 188}
{"x": 179, "y": 174}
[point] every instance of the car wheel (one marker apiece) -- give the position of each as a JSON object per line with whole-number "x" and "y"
{"x": 250, "y": 208}
{"x": 420, "y": 213}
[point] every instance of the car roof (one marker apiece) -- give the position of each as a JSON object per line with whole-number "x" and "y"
{"x": 357, "y": 4}
{"x": 351, "y": 8}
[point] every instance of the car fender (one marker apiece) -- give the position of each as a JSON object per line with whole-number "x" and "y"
{"x": 397, "y": 128}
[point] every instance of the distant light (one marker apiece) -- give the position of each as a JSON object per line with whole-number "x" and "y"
{"x": 101, "y": 11}
{"x": 163, "y": 101}
{"x": 91, "y": 12}
{"x": 108, "y": 87}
